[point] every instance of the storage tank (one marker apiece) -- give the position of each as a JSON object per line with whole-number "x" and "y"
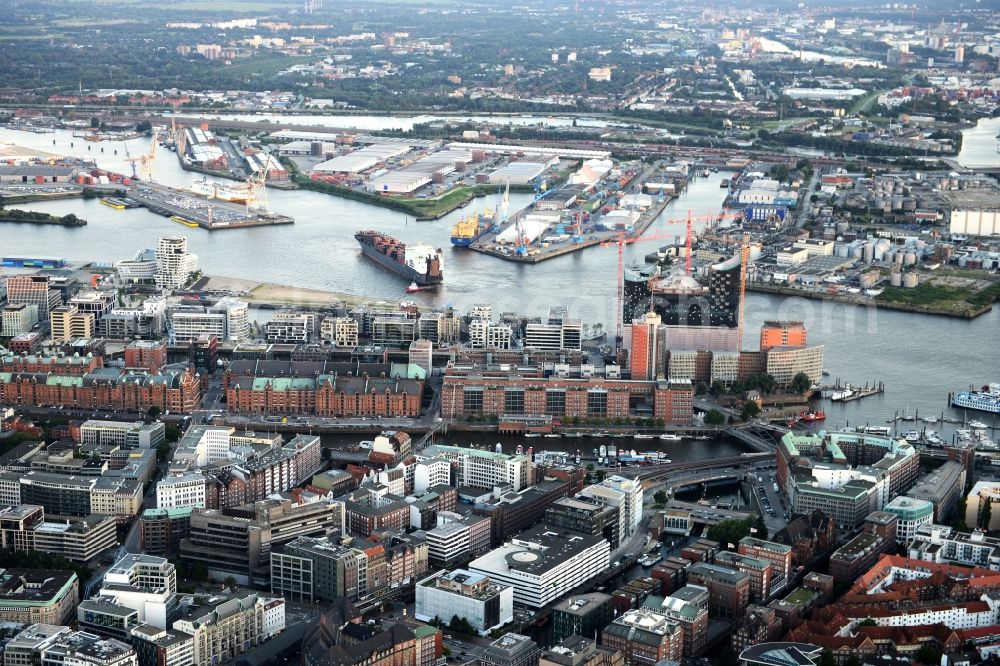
{"x": 909, "y": 204}
{"x": 842, "y": 250}
{"x": 858, "y": 251}
{"x": 910, "y": 259}
{"x": 898, "y": 259}
{"x": 842, "y": 227}
{"x": 869, "y": 253}
{"x": 910, "y": 280}
{"x": 962, "y": 261}
{"x": 896, "y": 279}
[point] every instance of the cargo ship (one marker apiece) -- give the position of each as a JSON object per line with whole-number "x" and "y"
{"x": 210, "y": 190}
{"x": 986, "y": 400}
{"x": 420, "y": 263}
{"x": 470, "y": 229}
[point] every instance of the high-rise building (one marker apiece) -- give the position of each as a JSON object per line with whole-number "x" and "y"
{"x": 237, "y": 313}
{"x": 33, "y": 290}
{"x": 724, "y": 290}
{"x": 647, "y": 355}
{"x": 174, "y": 264}
{"x": 141, "y": 583}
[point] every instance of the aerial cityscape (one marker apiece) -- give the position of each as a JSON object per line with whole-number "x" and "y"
{"x": 448, "y": 333}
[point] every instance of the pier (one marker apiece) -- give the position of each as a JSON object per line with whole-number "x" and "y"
{"x": 538, "y": 251}
{"x": 849, "y": 393}
{"x": 193, "y": 211}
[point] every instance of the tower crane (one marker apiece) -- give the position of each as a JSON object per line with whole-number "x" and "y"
{"x": 256, "y": 187}
{"x": 624, "y": 239}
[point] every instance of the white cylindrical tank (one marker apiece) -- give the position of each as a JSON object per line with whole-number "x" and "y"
{"x": 869, "y": 253}
{"x": 858, "y": 251}
{"x": 899, "y": 258}
{"x": 910, "y": 280}
{"x": 896, "y": 279}
{"x": 911, "y": 259}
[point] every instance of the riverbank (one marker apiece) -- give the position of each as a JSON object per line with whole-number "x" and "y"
{"x": 33, "y": 217}
{"x": 268, "y": 295}
{"x": 951, "y": 304}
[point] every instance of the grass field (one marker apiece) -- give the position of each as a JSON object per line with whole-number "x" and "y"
{"x": 941, "y": 297}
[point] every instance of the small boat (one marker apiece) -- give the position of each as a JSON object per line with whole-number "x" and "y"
{"x": 814, "y": 416}
{"x": 826, "y": 373}
{"x": 553, "y": 435}
{"x": 641, "y": 436}
{"x": 183, "y": 220}
{"x": 912, "y": 436}
{"x": 702, "y": 438}
{"x": 978, "y": 425}
{"x": 930, "y": 419}
{"x": 414, "y": 288}
{"x": 667, "y": 437}
{"x": 519, "y": 450}
{"x": 532, "y": 434}
{"x": 603, "y": 451}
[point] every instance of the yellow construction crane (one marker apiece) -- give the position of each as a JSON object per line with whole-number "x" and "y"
{"x": 142, "y": 166}
{"x": 256, "y": 187}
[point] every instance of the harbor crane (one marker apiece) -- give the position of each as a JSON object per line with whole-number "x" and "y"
{"x": 625, "y": 239}
{"x": 142, "y": 166}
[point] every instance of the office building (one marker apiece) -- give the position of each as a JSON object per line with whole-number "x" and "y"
{"x": 581, "y": 615}
{"x": 33, "y": 290}
{"x": 587, "y": 516}
{"x": 237, "y": 317}
{"x": 911, "y": 514}
{"x": 778, "y": 554}
{"x": 511, "y": 650}
{"x": 758, "y": 570}
{"x": 162, "y": 647}
{"x": 38, "y": 596}
{"x": 688, "y": 607}
{"x": 48, "y": 644}
{"x": 123, "y": 434}
{"x": 457, "y": 539}
{"x": 644, "y": 637}
{"x": 68, "y": 323}
{"x": 484, "y": 469}
{"x": 162, "y": 530}
{"x": 224, "y": 628}
{"x": 174, "y": 264}
{"x": 97, "y": 303}
{"x": 24, "y": 528}
{"x": 728, "y": 589}
{"x": 942, "y": 487}
{"x": 16, "y": 319}
{"x": 474, "y": 597}
{"x": 543, "y": 564}
{"x": 238, "y": 541}
{"x": 556, "y": 333}
{"x": 580, "y": 651}
{"x": 724, "y": 288}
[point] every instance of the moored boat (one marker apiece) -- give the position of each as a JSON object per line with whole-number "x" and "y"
{"x": 420, "y": 263}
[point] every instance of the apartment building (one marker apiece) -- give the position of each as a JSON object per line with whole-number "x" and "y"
{"x": 33, "y": 290}
{"x": 485, "y": 469}
{"x": 68, "y": 323}
{"x": 644, "y": 637}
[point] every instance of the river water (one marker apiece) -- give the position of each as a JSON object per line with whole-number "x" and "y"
{"x": 979, "y": 145}
{"x": 920, "y": 358}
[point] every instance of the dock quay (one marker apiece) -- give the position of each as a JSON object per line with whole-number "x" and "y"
{"x": 849, "y": 393}
{"x": 194, "y": 211}
{"x": 541, "y": 249}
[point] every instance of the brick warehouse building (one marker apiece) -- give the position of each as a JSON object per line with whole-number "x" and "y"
{"x": 176, "y": 389}
{"x": 596, "y": 397}
{"x": 300, "y": 387}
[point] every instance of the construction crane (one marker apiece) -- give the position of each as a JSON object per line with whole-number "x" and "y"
{"x": 142, "y": 166}
{"x": 624, "y": 239}
{"x": 257, "y": 188}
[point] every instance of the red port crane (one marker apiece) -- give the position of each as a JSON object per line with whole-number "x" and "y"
{"x": 624, "y": 239}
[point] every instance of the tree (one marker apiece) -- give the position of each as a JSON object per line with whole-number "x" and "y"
{"x": 660, "y": 498}
{"x": 868, "y": 622}
{"x": 730, "y": 530}
{"x": 701, "y": 388}
{"x": 726, "y": 657}
{"x": 153, "y": 412}
{"x": 826, "y": 658}
{"x": 600, "y": 475}
{"x": 714, "y": 417}
{"x": 800, "y": 383}
{"x": 750, "y": 410}
{"x": 928, "y": 654}
{"x": 761, "y": 528}
{"x": 717, "y": 388}
{"x": 230, "y": 582}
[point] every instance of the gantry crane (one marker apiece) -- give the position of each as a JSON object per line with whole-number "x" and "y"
{"x": 624, "y": 239}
